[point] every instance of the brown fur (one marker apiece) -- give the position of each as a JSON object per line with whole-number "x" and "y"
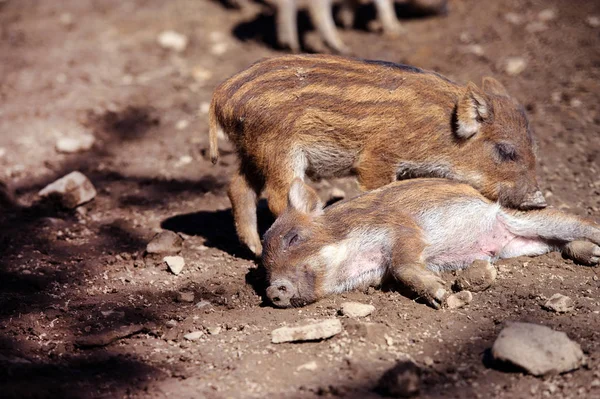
{"x": 310, "y": 252}
{"x": 328, "y": 116}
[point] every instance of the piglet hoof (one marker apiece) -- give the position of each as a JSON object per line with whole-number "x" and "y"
{"x": 583, "y": 252}
{"x": 394, "y": 31}
{"x": 477, "y": 277}
{"x": 435, "y": 294}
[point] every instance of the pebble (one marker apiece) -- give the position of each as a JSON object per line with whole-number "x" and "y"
{"x": 193, "y": 336}
{"x": 477, "y": 277}
{"x": 71, "y": 145}
{"x": 310, "y": 366}
{"x": 559, "y": 303}
{"x": 214, "y": 330}
{"x": 459, "y": 300}
{"x": 547, "y": 15}
{"x": 402, "y": 380}
{"x": 165, "y": 242}
{"x": 171, "y": 323}
{"x": 513, "y": 18}
{"x": 537, "y": 349}
{"x": 593, "y": 21}
{"x": 172, "y": 40}
{"x": 72, "y": 190}
{"x": 187, "y": 297}
{"x": 175, "y": 264}
{"x": 204, "y": 107}
{"x": 182, "y": 124}
{"x": 536, "y": 26}
{"x": 309, "y": 332}
{"x": 201, "y": 75}
{"x": 515, "y": 65}
{"x": 356, "y": 309}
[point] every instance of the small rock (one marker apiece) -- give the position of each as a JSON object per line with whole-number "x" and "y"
{"x": 214, "y": 330}
{"x": 172, "y": 40}
{"x": 66, "y": 19}
{"x": 459, "y": 300}
{"x": 187, "y": 297}
{"x": 202, "y": 304}
{"x": 204, "y": 107}
{"x": 219, "y": 48}
{"x": 536, "y": 27}
{"x": 310, "y": 366}
{"x": 182, "y": 124}
{"x": 475, "y": 49}
{"x": 593, "y": 21}
{"x": 308, "y": 332}
{"x": 355, "y": 309}
{"x": 175, "y": 264}
{"x": 477, "y": 277}
{"x": 171, "y": 323}
{"x": 515, "y": 65}
{"x": 193, "y": 336}
{"x": 547, "y": 15}
{"x": 559, "y": 303}
{"x": 537, "y": 349}
{"x": 71, "y": 145}
{"x": 72, "y": 190}
{"x": 165, "y": 242}
{"x": 428, "y": 361}
{"x": 109, "y": 336}
{"x": 200, "y": 74}
{"x": 513, "y": 18}
{"x": 575, "y": 103}
{"x": 402, "y": 380}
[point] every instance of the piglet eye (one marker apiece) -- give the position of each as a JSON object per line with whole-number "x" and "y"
{"x": 290, "y": 239}
{"x": 506, "y": 152}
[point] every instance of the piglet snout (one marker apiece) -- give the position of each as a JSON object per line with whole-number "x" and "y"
{"x": 534, "y": 201}
{"x": 280, "y": 292}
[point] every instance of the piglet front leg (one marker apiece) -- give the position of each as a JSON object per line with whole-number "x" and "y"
{"x": 584, "y": 252}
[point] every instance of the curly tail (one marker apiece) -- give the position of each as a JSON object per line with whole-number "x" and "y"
{"x": 213, "y": 133}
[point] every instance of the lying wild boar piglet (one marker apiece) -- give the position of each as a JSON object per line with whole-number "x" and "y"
{"x": 331, "y": 116}
{"x": 408, "y": 231}
{"x": 321, "y": 15}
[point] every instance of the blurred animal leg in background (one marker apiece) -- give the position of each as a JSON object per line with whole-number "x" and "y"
{"x": 321, "y": 14}
{"x": 287, "y": 24}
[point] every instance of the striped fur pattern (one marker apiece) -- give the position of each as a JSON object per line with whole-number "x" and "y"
{"x": 328, "y": 116}
{"x": 407, "y": 231}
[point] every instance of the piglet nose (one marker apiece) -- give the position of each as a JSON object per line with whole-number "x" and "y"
{"x": 280, "y": 292}
{"x": 534, "y": 201}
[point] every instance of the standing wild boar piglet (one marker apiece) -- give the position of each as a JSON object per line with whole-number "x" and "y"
{"x": 407, "y": 231}
{"x": 331, "y": 116}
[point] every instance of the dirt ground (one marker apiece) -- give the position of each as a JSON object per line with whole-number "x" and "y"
{"x": 95, "y": 66}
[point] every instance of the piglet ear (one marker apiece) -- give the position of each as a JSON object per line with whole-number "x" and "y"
{"x": 471, "y": 110}
{"x": 304, "y": 199}
{"x": 492, "y": 86}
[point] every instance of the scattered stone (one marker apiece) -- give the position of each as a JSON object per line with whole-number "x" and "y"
{"x": 204, "y": 107}
{"x": 309, "y": 332}
{"x": 310, "y": 366}
{"x": 200, "y": 74}
{"x": 547, "y": 15}
{"x": 428, "y": 361}
{"x": 182, "y": 124}
{"x": 71, "y": 145}
{"x": 72, "y": 190}
{"x": 402, "y": 380}
{"x": 202, "y": 304}
{"x": 67, "y": 19}
{"x": 575, "y": 103}
{"x": 593, "y": 21}
{"x": 165, "y": 242}
{"x": 459, "y": 300}
{"x": 193, "y": 336}
{"x": 477, "y": 277}
{"x": 214, "y": 330}
{"x": 171, "y": 323}
{"x": 475, "y": 49}
{"x": 355, "y": 309}
{"x": 537, "y": 349}
{"x": 513, "y": 18}
{"x": 219, "y": 48}
{"x": 172, "y": 40}
{"x": 187, "y": 297}
{"x": 536, "y": 27}
{"x": 515, "y": 65}
{"x": 175, "y": 264}
{"x": 559, "y": 303}
{"x": 106, "y": 337}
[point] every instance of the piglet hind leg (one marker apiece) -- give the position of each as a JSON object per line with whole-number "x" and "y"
{"x": 583, "y": 252}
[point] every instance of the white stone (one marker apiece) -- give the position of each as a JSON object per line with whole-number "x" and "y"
{"x": 70, "y": 145}
{"x": 547, "y": 15}
{"x": 73, "y": 190}
{"x": 165, "y": 242}
{"x": 513, "y": 18}
{"x": 355, "y": 309}
{"x": 310, "y": 366}
{"x": 204, "y": 107}
{"x": 201, "y": 74}
{"x": 515, "y": 65}
{"x": 172, "y": 40}
{"x": 537, "y": 349}
{"x": 214, "y": 330}
{"x": 459, "y": 300}
{"x": 308, "y": 332}
{"x": 175, "y": 264}
{"x": 219, "y": 48}
{"x": 559, "y": 303}
{"x": 193, "y": 336}
{"x": 593, "y": 21}
{"x": 182, "y": 124}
